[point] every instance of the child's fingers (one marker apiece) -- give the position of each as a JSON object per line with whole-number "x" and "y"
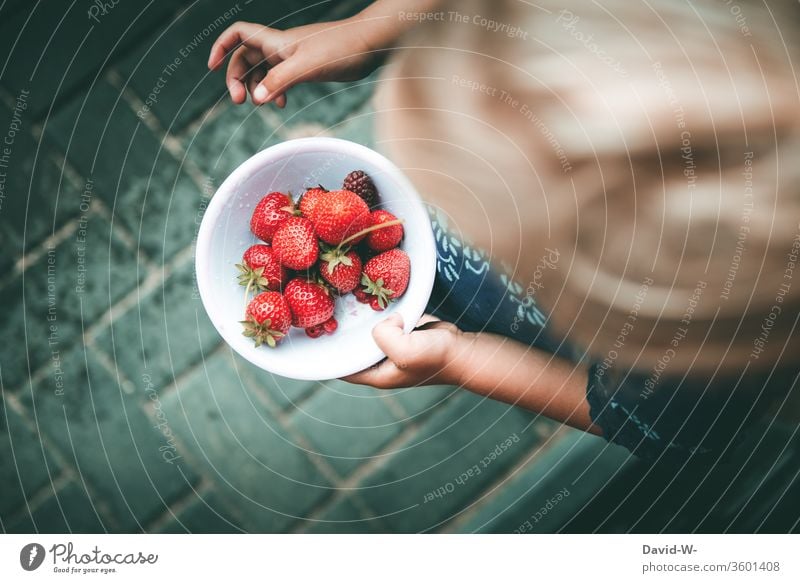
{"x": 254, "y": 79}
{"x": 384, "y": 375}
{"x": 278, "y": 80}
{"x": 236, "y": 34}
{"x": 392, "y": 339}
{"x": 238, "y": 69}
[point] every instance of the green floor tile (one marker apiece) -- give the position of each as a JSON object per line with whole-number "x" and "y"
{"x": 257, "y": 467}
{"x": 346, "y": 424}
{"x": 25, "y": 464}
{"x": 164, "y": 334}
{"x": 448, "y": 463}
{"x": 71, "y": 510}
{"x": 123, "y": 455}
{"x": 48, "y": 307}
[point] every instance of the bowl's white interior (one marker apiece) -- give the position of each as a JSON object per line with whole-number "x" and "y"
{"x": 225, "y": 234}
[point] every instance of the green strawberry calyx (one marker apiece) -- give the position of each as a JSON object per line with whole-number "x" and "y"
{"x": 334, "y": 256}
{"x": 376, "y": 289}
{"x": 248, "y": 277}
{"x": 261, "y": 333}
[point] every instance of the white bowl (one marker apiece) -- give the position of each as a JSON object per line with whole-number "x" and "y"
{"x": 225, "y": 234}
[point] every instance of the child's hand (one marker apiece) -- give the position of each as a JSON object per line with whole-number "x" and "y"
{"x": 266, "y": 62}
{"x": 428, "y": 355}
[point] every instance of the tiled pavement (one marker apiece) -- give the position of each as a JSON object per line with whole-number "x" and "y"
{"x": 123, "y": 411}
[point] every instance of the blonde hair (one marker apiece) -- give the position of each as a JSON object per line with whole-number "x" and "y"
{"x": 654, "y": 145}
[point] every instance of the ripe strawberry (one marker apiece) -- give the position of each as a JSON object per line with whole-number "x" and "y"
{"x": 359, "y": 182}
{"x": 339, "y": 215}
{"x": 309, "y": 200}
{"x": 386, "y": 238}
{"x": 267, "y": 319}
{"x": 295, "y": 244}
{"x": 341, "y": 270}
{"x": 310, "y": 302}
{"x": 261, "y": 268}
{"x": 269, "y": 213}
{"x": 361, "y": 295}
{"x": 386, "y": 277}
{"x": 327, "y": 327}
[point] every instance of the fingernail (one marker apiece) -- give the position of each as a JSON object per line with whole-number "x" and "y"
{"x": 260, "y": 93}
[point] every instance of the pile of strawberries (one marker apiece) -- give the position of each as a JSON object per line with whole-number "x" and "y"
{"x": 326, "y": 246}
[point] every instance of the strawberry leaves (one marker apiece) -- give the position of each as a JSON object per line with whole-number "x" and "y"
{"x": 261, "y": 333}
{"x": 377, "y": 289}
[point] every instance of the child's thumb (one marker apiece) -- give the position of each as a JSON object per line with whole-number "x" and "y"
{"x": 390, "y": 336}
{"x": 278, "y": 80}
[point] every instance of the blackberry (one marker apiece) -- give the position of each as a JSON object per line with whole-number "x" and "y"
{"x": 359, "y": 182}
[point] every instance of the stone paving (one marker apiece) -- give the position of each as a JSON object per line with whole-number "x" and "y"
{"x": 122, "y": 409}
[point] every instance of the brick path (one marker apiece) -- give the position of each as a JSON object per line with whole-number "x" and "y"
{"x": 123, "y": 411}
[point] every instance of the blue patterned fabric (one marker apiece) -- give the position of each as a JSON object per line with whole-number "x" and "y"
{"x": 675, "y": 424}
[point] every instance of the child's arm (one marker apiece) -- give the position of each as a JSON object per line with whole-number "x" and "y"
{"x": 266, "y": 62}
{"x": 494, "y": 366}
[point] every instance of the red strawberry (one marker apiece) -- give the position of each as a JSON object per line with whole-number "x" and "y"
{"x": 269, "y": 213}
{"x": 386, "y": 238}
{"x": 359, "y": 182}
{"x": 295, "y": 244}
{"x": 386, "y": 277}
{"x": 261, "y": 268}
{"x": 330, "y": 326}
{"x": 315, "y": 331}
{"x": 361, "y": 295}
{"x": 267, "y": 318}
{"x": 340, "y": 214}
{"x": 310, "y": 199}
{"x": 310, "y": 302}
{"x": 327, "y": 327}
{"x": 341, "y": 270}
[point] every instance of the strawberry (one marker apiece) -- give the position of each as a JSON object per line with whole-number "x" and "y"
{"x": 387, "y": 238}
{"x": 327, "y": 327}
{"x": 359, "y": 182}
{"x": 267, "y": 318}
{"x": 386, "y": 277}
{"x": 361, "y": 295}
{"x": 341, "y": 269}
{"x": 261, "y": 268}
{"x": 269, "y": 213}
{"x": 295, "y": 244}
{"x": 339, "y": 215}
{"x": 310, "y": 302}
{"x": 309, "y": 200}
